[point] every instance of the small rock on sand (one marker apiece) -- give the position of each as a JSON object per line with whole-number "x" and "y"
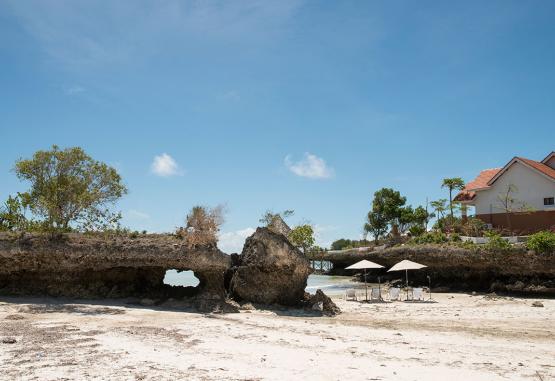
{"x": 8, "y": 340}
{"x": 537, "y": 304}
{"x": 321, "y": 302}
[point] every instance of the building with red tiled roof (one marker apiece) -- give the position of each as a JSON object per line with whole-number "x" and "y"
{"x": 519, "y": 196}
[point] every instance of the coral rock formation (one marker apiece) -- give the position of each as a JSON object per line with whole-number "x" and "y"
{"x": 516, "y": 270}
{"x": 270, "y": 270}
{"x": 96, "y": 266}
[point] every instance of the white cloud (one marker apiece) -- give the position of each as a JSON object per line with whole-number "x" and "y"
{"x": 137, "y": 215}
{"x": 231, "y": 96}
{"x": 73, "y": 90}
{"x": 232, "y": 242}
{"x": 164, "y": 165}
{"x": 310, "y": 166}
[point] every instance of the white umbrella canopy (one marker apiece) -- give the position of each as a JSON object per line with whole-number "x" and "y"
{"x": 363, "y": 265}
{"x": 406, "y": 265}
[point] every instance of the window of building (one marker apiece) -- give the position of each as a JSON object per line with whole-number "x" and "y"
{"x": 549, "y": 201}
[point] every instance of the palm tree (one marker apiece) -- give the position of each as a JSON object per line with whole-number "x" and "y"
{"x": 452, "y": 184}
{"x": 439, "y": 207}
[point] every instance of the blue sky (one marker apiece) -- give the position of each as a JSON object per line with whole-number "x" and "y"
{"x": 289, "y": 104}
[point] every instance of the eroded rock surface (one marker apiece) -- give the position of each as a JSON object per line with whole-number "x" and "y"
{"x": 94, "y": 266}
{"x": 270, "y": 270}
{"x": 516, "y": 270}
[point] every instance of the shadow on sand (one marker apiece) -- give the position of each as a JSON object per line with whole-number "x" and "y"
{"x": 91, "y": 307}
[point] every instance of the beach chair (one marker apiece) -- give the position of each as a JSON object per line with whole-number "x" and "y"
{"x": 350, "y": 294}
{"x": 394, "y": 293}
{"x": 376, "y": 294}
{"x": 417, "y": 294}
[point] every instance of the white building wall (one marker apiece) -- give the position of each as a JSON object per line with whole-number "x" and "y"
{"x": 532, "y": 188}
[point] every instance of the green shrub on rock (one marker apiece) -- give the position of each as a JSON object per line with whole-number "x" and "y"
{"x": 417, "y": 230}
{"x": 469, "y": 245}
{"x": 431, "y": 237}
{"x": 542, "y": 242}
{"x": 496, "y": 242}
{"x": 12, "y": 215}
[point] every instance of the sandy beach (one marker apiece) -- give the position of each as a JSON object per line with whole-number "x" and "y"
{"x": 461, "y": 337}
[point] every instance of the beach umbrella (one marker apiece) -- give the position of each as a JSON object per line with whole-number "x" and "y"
{"x": 363, "y": 265}
{"x": 407, "y": 265}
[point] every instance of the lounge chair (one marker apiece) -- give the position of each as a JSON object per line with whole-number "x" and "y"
{"x": 417, "y": 294}
{"x": 376, "y": 294}
{"x": 394, "y": 293}
{"x": 350, "y": 294}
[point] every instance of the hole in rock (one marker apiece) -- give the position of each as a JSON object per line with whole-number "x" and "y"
{"x": 181, "y": 278}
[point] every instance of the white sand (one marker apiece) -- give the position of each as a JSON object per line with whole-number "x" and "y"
{"x": 462, "y": 337}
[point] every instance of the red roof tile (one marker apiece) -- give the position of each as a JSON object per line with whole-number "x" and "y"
{"x": 481, "y": 181}
{"x": 545, "y": 169}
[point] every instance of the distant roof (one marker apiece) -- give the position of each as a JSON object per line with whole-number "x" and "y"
{"x": 548, "y": 157}
{"x": 480, "y": 182}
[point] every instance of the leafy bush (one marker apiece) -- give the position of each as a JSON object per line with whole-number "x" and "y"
{"x": 474, "y": 227}
{"x": 417, "y": 230}
{"x": 455, "y": 237}
{"x": 467, "y": 245}
{"x": 449, "y": 224}
{"x": 496, "y": 242}
{"x": 542, "y": 242}
{"x": 202, "y": 225}
{"x": 12, "y": 215}
{"x": 431, "y": 237}
{"x": 343, "y": 244}
{"x": 302, "y": 236}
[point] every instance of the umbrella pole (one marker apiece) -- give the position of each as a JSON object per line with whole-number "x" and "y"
{"x": 407, "y": 276}
{"x": 365, "y": 285}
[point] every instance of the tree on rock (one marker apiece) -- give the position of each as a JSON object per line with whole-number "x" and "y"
{"x": 376, "y": 224}
{"x": 202, "y": 225}
{"x": 387, "y": 209}
{"x": 70, "y": 189}
{"x": 302, "y": 236}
